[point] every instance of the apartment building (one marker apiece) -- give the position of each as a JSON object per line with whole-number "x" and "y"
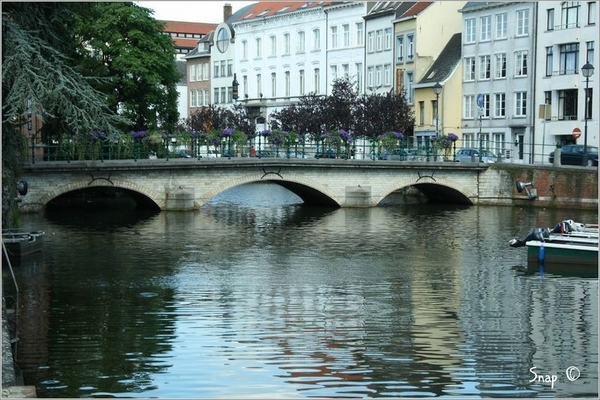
{"x": 567, "y": 33}
{"x": 498, "y": 81}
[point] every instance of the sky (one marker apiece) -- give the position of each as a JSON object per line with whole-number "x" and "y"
{"x": 192, "y": 11}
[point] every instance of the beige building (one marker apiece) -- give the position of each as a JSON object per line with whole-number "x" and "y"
{"x": 421, "y": 33}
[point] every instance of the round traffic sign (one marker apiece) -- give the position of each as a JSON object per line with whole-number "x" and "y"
{"x": 576, "y": 133}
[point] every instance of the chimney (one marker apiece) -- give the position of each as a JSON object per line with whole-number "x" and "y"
{"x": 226, "y": 11}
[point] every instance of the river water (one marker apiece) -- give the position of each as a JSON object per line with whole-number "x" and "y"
{"x": 258, "y": 296}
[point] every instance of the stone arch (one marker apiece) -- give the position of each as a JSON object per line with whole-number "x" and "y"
{"x": 80, "y": 184}
{"x": 250, "y": 178}
{"x": 407, "y": 182}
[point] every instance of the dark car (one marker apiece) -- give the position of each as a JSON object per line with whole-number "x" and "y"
{"x": 329, "y": 153}
{"x": 572, "y": 154}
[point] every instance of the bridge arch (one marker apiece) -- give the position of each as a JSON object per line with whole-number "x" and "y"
{"x": 155, "y": 198}
{"x": 434, "y": 190}
{"x": 309, "y": 191}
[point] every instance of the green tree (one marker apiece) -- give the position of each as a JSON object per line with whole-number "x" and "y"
{"x": 122, "y": 43}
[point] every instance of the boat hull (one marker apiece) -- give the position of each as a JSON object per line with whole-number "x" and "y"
{"x": 21, "y": 244}
{"x": 580, "y": 255}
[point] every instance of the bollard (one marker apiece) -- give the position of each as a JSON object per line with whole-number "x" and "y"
{"x": 556, "y": 161}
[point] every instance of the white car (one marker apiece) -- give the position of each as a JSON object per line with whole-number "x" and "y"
{"x": 472, "y": 155}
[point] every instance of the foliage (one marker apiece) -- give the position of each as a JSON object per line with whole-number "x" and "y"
{"x": 444, "y": 144}
{"x": 391, "y": 140}
{"x": 122, "y": 43}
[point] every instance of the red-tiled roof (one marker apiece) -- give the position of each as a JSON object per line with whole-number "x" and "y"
{"x": 188, "y": 27}
{"x": 185, "y": 42}
{"x": 268, "y": 8}
{"x": 416, "y": 9}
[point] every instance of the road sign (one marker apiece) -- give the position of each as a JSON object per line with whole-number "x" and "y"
{"x": 480, "y": 100}
{"x": 576, "y": 133}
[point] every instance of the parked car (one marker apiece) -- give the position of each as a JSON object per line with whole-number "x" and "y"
{"x": 265, "y": 154}
{"x": 399, "y": 154}
{"x": 228, "y": 153}
{"x": 329, "y": 153}
{"x": 472, "y": 154}
{"x": 572, "y": 154}
{"x": 180, "y": 154}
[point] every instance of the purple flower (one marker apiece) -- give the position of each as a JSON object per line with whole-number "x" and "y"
{"x": 193, "y": 134}
{"x": 138, "y": 134}
{"x": 266, "y": 133}
{"x": 452, "y": 137}
{"x": 398, "y": 135}
{"x": 227, "y": 132}
{"x": 99, "y": 135}
{"x": 345, "y": 135}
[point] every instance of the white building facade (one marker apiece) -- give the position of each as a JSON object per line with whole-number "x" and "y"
{"x": 567, "y": 35}
{"x": 498, "y": 78}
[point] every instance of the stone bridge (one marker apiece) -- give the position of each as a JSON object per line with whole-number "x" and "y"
{"x": 187, "y": 184}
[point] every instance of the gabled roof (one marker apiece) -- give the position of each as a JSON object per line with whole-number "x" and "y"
{"x": 200, "y": 28}
{"x": 446, "y": 63}
{"x": 415, "y": 9}
{"x": 270, "y": 8}
{"x": 395, "y": 8}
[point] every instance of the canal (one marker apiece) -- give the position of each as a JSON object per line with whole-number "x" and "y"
{"x": 258, "y": 296}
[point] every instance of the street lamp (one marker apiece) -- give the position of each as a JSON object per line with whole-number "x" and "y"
{"x": 235, "y": 85}
{"x": 587, "y": 70}
{"x": 437, "y": 89}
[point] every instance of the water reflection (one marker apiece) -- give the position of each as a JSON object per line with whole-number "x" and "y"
{"x": 257, "y": 295}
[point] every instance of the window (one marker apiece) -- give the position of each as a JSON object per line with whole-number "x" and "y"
{"x": 470, "y": 30}
{"x": 567, "y": 104}
{"x": 205, "y": 68}
{"x": 346, "y": 29}
{"x": 434, "y": 112}
{"x": 550, "y": 19}
{"x": 468, "y": 106}
{"x": 421, "y": 113}
{"x": 360, "y": 33}
{"x": 286, "y": 43}
{"x": 223, "y": 68}
{"x": 388, "y": 39}
{"x": 379, "y": 37}
{"x": 216, "y": 69}
{"x": 469, "y": 71}
{"x": 317, "y": 80}
{"x": 501, "y": 26}
{"x": 258, "y": 44}
{"x": 378, "y": 75}
{"x": 244, "y": 50}
{"x": 591, "y": 16}
{"x": 410, "y": 47}
{"x": 399, "y": 49}
{"x": 334, "y": 72}
{"x": 192, "y": 98}
{"x": 523, "y": 23}
{"x": 245, "y": 84}
{"x": 302, "y": 83}
{"x": 521, "y": 63}
{"x": 229, "y": 94}
{"x": 486, "y": 28}
{"x": 371, "y": 42}
{"x": 484, "y": 67}
{"x": 370, "y": 77}
{"x": 359, "y": 77}
{"x": 590, "y": 52}
{"x": 520, "y": 104}
{"x": 192, "y": 72}
{"x": 273, "y": 85}
{"x": 346, "y": 70}
{"x": 258, "y": 85}
{"x": 216, "y": 96}
{"x": 316, "y": 39}
{"x": 301, "y": 42}
{"x": 273, "y": 40}
{"x": 549, "y": 61}
{"x": 500, "y": 66}
{"x": 570, "y": 14}
{"x": 499, "y": 105}
{"x": 387, "y": 74}
{"x": 334, "y": 37}
{"x": 286, "y": 83}
{"x": 569, "y": 54}
{"x": 486, "y": 105}
{"x": 409, "y": 88}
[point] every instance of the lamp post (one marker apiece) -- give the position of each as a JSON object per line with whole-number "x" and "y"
{"x": 235, "y": 85}
{"x": 437, "y": 89}
{"x": 587, "y": 70}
